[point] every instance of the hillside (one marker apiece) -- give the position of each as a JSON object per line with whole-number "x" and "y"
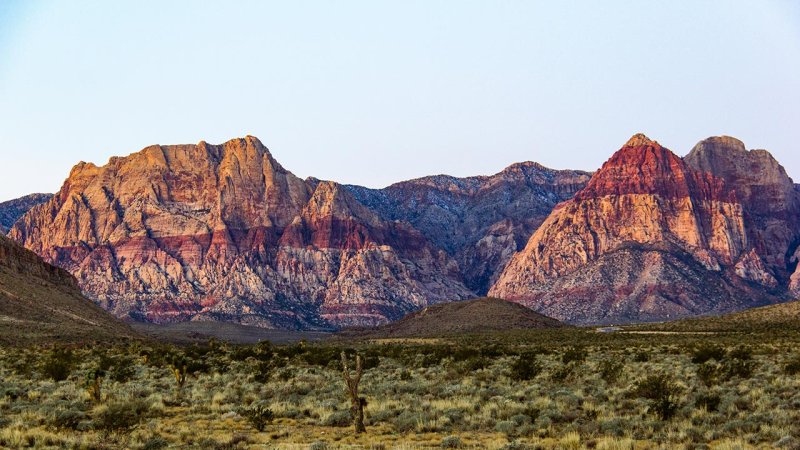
{"x": 781, "y": 317}
{"x": 42, "y": 303}
{"x": 466, "y": 317}
{"x": 199, "y": 332}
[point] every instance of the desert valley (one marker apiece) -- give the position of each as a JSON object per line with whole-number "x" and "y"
{"x": 204, "y": 296}
{"x": 375, "y": 225}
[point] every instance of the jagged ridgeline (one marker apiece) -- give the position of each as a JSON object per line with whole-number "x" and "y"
{"x": 224, "y": 232}
{"x": 654, "y": 236}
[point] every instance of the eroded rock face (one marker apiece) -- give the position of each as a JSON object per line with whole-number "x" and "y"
{"x": 224, "y": 232}
{"x": 650, "y": 237}
{"x": 480, "y": 221}
{"x": 794, "y": 280}
{"x": 12, "y": 210}
{"x": 770, "y": 202}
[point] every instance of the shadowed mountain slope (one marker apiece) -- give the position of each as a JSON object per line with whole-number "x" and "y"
{"x": 466, "y": 317}
{"x": 480, "y": 221}
{"x": 42, "y": 303}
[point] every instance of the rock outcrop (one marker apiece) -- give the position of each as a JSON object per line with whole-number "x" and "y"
{"x": 480, "y": 221}
{"x": 12, "y": 210}
{"x": 770, "y": 203}
{"x": 223, "y": 232}
{"x": 42, "y": 303}
{"x": 653, "y": 236}
{"x": 794, "y": 280}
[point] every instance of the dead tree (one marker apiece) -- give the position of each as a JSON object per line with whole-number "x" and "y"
{"x": 357, "y": 403}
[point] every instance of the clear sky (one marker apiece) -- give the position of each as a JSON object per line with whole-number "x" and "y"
{"x": 375, "y": 92}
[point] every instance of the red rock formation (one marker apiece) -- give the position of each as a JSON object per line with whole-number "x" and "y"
{"x": 224, "y": 232}
{"x": 770, "y": 203}
{"x": 649, "y": 238}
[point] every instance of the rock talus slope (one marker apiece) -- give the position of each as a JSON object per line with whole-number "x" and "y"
{"x": 224, "y": 232}
{"x": 653, "y": 236}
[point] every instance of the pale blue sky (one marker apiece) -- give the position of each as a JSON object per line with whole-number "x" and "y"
{"x": 375, "y": 92}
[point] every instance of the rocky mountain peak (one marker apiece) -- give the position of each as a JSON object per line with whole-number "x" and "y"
{"x": 647, "y": 222}
{"x": 720, "y": 144}
{"x": 767, "y": 194}
{"x": 648, "y": 168}
{"x": 640, "y": 140}
{"x": 225, "y": 232}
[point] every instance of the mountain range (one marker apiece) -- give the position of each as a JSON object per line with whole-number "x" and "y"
{"x": 224, "y": 232}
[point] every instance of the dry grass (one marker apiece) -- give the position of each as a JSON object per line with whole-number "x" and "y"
{"x": 427, "y": 394}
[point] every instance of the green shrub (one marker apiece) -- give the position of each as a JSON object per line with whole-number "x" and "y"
{"x": 338, "y": 419}
{"x": 121, "y": 416}
{"x": 406, "y": 421}
{"x": 662, "y": 393}
{"x": 610, "y": 370}
{"x": 563, "y": 373}
{"x": 527, "y": 367}
{"x": 576, "y": 354}
{"x": 506, "y": 427}
{"x": 452, "y": 442}
{"x": 319, "y": 445}
{"x": 741, "y": 353}
{"x": 477, "y": 363}
{"x": 517, "y": 446}
{"x": 258, "y": 416}
{"x": 792, "y": 366}
{"x": 155, "y": 443}
{"x": 123, "y": 369}
{"x": 741, "y": 368}
{"x": 58, "y": 364}
{"x": 262, "y": 371}
{"x": 709, "y": 373}
{"x": 67, "y": 419}
{"x": 531, "y": 412}
{"x": 710, "y": 401}
{"x": 641, "y": 356}
{"x": 707, "y": 352}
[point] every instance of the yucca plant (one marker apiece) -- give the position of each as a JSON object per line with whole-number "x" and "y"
{"x": 94, "y": 383}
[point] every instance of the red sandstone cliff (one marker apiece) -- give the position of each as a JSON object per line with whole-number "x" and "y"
{"x": 653, "y": 236}
{"x": 224, "y": 232}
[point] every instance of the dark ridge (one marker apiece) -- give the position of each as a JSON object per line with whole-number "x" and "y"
{"x": 476, "y": 316}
